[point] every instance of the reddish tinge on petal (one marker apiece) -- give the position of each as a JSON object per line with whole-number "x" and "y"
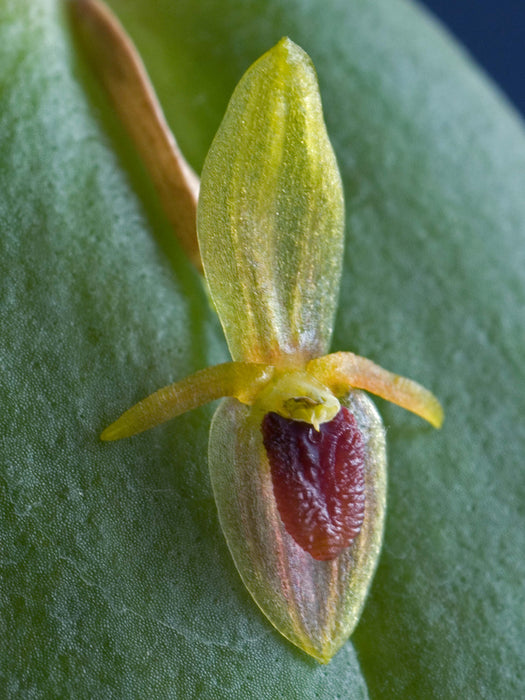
{"x": 318, "y": 480}
{"x": 315, "y": 604}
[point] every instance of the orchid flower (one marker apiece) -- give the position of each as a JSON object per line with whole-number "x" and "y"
{"x": 297, "y": 448}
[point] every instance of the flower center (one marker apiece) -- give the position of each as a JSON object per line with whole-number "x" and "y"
{"x": 296, "y": 395}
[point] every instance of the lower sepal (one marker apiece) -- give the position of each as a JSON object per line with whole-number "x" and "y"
{"x": 313, "y": 602}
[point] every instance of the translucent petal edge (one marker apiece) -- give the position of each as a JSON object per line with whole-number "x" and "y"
{"x": 314, "y": 604}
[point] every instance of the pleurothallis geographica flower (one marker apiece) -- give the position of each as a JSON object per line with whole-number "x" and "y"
{"x": 297, "y": 448}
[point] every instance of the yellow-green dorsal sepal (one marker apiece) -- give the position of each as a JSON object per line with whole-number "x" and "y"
{"x": 271, "y": 213}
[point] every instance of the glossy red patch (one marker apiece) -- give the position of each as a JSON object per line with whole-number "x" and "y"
{"x": 318, "y": 480}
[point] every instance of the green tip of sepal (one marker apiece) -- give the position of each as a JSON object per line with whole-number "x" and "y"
{"x": 271, "y": 214}
{"x": 314, "y": 604}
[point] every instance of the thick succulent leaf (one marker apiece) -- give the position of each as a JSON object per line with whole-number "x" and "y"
{"x": 271, "y": 214}
{"x": 315, "y": 604}
{"x": 115, "y": 580}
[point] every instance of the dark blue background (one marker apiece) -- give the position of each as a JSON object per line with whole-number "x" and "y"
{"x": 494, "y": 33}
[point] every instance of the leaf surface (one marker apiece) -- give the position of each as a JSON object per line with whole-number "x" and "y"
{"x": 115, "y": 578}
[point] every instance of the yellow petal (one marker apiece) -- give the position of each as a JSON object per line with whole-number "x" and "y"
{"x": 270, "y": 214}
{"x": 342, "y": 371}
{"x": 239, "y": 379}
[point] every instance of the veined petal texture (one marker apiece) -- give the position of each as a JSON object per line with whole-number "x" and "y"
{"x": 271, "y": 214}
{"x": 315, "y": 604}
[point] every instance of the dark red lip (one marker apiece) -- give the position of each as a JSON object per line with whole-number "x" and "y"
{"x": 318, "y": 480}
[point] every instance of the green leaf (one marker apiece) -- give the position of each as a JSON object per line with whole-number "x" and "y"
{"x": 271, "y": 214}
{"x": 115, "y": 578}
